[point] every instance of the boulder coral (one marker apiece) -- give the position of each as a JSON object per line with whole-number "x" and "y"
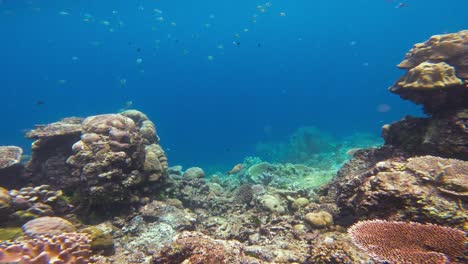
{"x": 48, "y": 226}
{"x": 101, "y": 160}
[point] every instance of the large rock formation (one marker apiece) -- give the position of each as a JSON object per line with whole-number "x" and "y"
{"x": 101, "y": 160}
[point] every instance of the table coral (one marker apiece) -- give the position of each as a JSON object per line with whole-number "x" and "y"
{"x": 402, "y": 242}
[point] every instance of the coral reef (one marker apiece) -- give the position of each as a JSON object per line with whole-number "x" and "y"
{"x": 70, "y": 248}
{"x": 101, "y": 160}
{"x": 437, "y": 74}
{"x": 401, "y": 242}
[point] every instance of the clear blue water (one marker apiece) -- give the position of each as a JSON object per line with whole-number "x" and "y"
{"x": 324, "y": 63}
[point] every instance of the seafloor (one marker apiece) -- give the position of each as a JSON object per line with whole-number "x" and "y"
{"x": 100, "y": 189}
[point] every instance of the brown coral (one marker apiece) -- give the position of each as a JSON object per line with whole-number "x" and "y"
{"x": 68, "y": 248}
{"x": 428, "y": 75}
{"x": 437, "y": 74}
{"x": 402, "y": 242}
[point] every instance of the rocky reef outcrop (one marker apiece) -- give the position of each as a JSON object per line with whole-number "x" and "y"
{"x": 420, "y": 174}
{"x": 103, "y": 160}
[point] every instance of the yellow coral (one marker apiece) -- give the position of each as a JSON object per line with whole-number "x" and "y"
{"x": 429, "y": 75}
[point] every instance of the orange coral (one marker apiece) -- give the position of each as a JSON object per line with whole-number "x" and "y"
{"x": 68, "y": 248}
{"x": 408, "y": 242}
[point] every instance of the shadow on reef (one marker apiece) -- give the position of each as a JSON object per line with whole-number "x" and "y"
{"x": 110, "y": 169}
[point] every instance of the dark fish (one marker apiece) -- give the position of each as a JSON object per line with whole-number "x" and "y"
{"x": 259, "y": 45}
{"x": 40, "y": 102}
{"x": 138, "y": 50}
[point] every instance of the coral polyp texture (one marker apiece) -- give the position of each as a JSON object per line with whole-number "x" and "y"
{"x": 101, "y": 160}
{"x": 408, "y": 242}
{"x": 437, "y": 74}
{"x": 67, "y": 248}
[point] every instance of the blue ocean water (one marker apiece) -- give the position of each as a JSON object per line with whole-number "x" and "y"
{"x": 216, "y": 77}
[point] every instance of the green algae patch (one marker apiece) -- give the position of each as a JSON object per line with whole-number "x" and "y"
{"x": 10, "y": 233}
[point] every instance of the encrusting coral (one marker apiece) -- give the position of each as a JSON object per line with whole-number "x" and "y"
{"x": 67, "y": 248}
{"x": 408, "y": 242}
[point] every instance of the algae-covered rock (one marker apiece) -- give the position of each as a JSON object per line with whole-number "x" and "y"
{"x": 10, "y": 233}
{"x": 101, "y": 238}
